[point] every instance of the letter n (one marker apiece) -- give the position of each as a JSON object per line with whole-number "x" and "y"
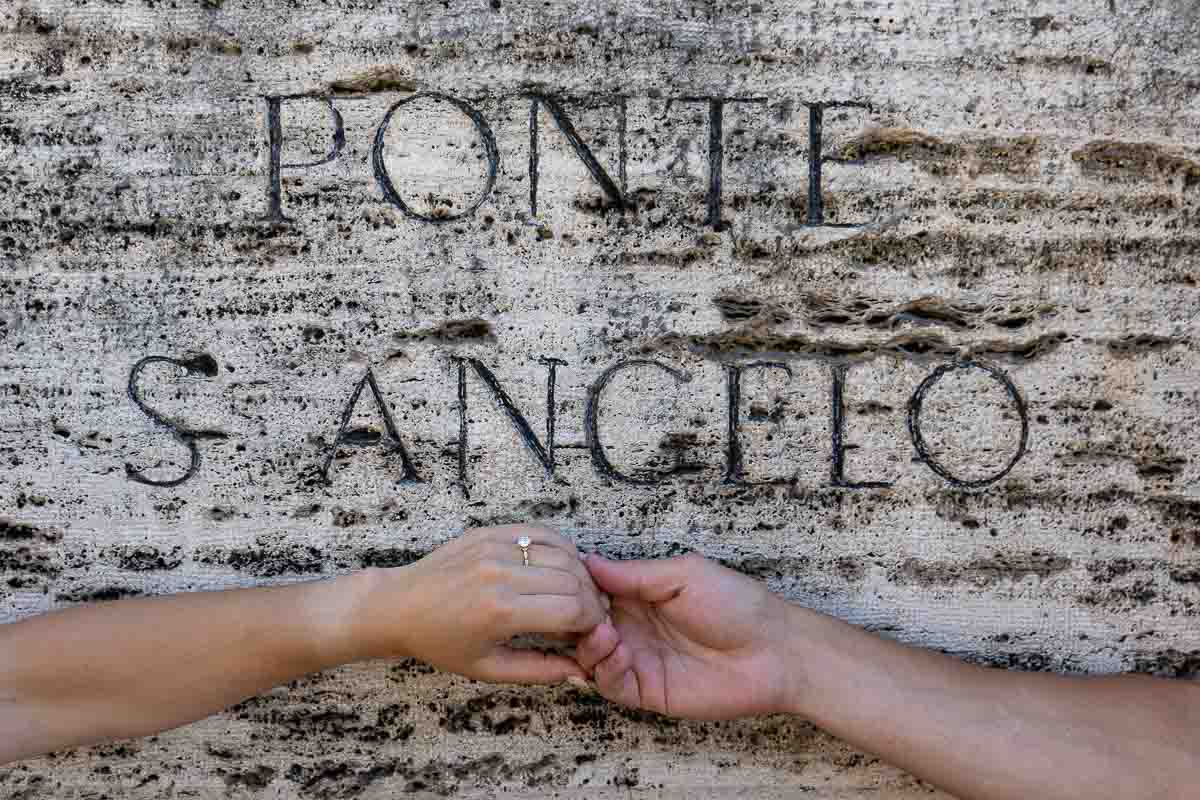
{"x": 544, "y": 452}
{"x": 614, "y": 193}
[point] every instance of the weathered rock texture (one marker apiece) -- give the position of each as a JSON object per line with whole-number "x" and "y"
{"x": 1009, "y": 187}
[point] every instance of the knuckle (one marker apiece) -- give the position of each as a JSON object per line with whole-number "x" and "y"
{"x": 489, "y": 570}
{"x": 579, "y": 569}
{"x": 497, "y": 611}
{"x": 556, "y": 558}
{"x": 580, "y": 611}
{"x": 549, "y": 535}
{"x": 492, "y": 551}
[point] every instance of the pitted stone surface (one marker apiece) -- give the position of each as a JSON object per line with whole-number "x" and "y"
{"x": 1005, "y": 229}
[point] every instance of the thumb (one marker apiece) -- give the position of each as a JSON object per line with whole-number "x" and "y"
{"x": 511, "y": 665}
{"x": 651, "y": 580}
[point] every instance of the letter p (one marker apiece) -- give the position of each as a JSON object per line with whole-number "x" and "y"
{"x": 275, "y": 151}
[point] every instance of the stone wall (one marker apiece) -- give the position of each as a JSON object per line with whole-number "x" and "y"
{"x": 939, "y": 381}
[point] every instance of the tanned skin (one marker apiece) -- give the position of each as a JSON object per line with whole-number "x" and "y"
{"x": 683, "y": 637}
{"x": 134, "y": 667}
{"x": 690, "y": 638}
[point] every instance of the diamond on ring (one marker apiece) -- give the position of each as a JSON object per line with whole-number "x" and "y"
{"x": 523, "y": 542}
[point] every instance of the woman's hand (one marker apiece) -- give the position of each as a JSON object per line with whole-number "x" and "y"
{"x": 152, "y": 663}
{"x": 458, "y": 607}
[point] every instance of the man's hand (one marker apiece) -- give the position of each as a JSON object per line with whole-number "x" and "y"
{"x": 688, "y": 638}
{"x": 692, "y": 639}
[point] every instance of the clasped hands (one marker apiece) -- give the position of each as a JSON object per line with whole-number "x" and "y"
{"x": 681, "y": 636}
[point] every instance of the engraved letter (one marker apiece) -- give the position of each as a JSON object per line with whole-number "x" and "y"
{"x": 816, "y": 201}
{"x": 734, "y": 469}
{"x": 914, "y": 422}
{"x": 361, "y": 438}
{"x": 543, "y": 452}
{"x": 486, "y": 137}
{"x": 716, "y": 149}
{"x": 615, "y": 195}
{"x": 592, "y": 419}
{"x": 275, "y": 148}
{"x": 838, "y": 426}
{"x": 200, "y": 364}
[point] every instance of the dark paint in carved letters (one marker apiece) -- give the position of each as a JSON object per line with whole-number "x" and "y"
{"x": 616, "y": 191}
{"x": 544, "y": 451}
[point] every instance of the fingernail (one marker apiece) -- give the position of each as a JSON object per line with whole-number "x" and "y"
{"x": 582, "y": 685}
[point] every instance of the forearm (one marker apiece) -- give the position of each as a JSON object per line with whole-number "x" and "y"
{"x": 134, "y": 667}
{"x": 988, "y": 734}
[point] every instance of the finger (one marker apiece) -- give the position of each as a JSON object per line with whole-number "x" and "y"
{"x": 510, "y": 665}
{"x": 544, "y": 581}
{"x": 549, "y": 613}
{"x": 545, "y": 556}
{"x": 569, "y": 563}
{"x": 538, "y": 534}
{"x": 589, "y": 587}
{"x": 654, "y": 580}
{"x": 540, "y": 555}
{"x": 597, "y": 645}
{"x": 616, "y": 679}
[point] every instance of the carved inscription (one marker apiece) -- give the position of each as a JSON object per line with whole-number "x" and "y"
{"x": 543, "y": 448}
{"x": 616, "y": 191}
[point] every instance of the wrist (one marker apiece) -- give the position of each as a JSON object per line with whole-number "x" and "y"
{"x": 341, "y": 609}
{"x": 797, "y": 653}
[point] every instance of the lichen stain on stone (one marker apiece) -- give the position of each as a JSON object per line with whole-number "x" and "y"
{"x": 93, "y": 595}
{"x": 30, "y": 556}
{"x": 384, "y": 78}
{"x": 981, "y": 571}
{"x": 975, "y": 156}
{"x": 913, "y": 344}
{"x": 254, "y": 779}
{"x": 1169, "y": 663}
{"x": 330, "y": 778}
{"x": 899, "y": 142}
{"x": 828, "y": 309}
{"x": 450, "y": 331}
{"x": 1134, "y": 343}
{"x": 1145, "y": 160}
{"x": 11, "y": 530}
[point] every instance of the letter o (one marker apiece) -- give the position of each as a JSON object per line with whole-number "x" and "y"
{"x": 918, "y": 440}
{"x": 485, "y": 135}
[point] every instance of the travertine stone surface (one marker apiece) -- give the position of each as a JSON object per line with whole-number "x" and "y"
{"x": 1009, "y": 190}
